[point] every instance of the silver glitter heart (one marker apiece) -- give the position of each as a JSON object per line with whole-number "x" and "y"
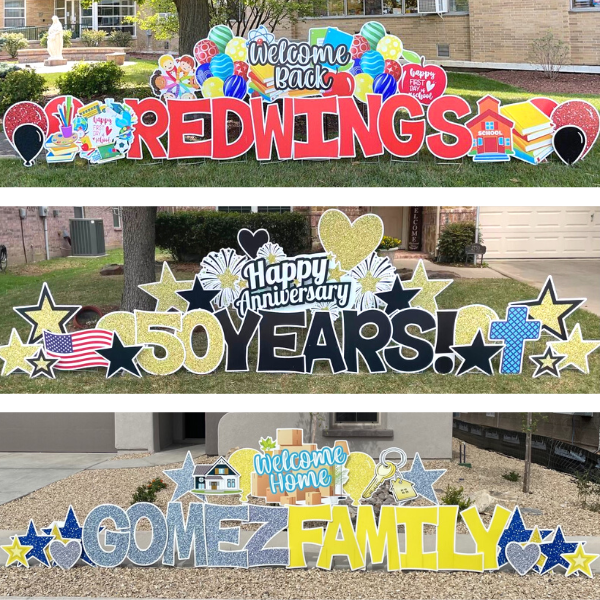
{"x": 522, "y": 558}
{"x": 65, "y": 555}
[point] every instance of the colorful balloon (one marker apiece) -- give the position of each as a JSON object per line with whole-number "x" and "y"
{"x": 221, "y": 35}
{"x": 240, "y": 68}
{"x": 356, "y": 68}
{"x": 204, "y": 51}
{"x": 23, "y": 113}
{"x": 393, "y": 68}
{"x": 236, "y": 49}
{"x": 390, "y": 47}
{"x": 373, "y": 32}
{"x": 213, "y": 88}
{"x": 364, "y": 86}
{"x": 359, "y": 46}
{"x": 384, "y": 84}
{"x": 235, "y": 87}
{"x": 203, "y": 73}
{"x": 372, "y": 63}
{"x": 221, "y": 66}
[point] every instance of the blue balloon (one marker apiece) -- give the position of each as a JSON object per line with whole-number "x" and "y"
{"x": 203, "y": 72}
{"x": 356, "y": 68}
{"x": 384, "y": 84}
{"x": 235, "y": 87}
{"x": 221, "y": 66}
{"x": 372, "y": 63}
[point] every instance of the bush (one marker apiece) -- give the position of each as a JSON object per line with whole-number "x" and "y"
{"x": 90, "y": 38}
{"x": 387, "y": 243}
{"x": 588, "y": 489}
{"x": 20, "y": 85}
{"x": 121, "y": 39}
{"x": 67, "y": 35}
{"x": 549, "y": 54}
{"x": 511, "y": 476}
{"x": 148, "y": 491}
{"x": 13, "y": 42}
{"x": 5, "y": 69}
{"x": 454, "y": 238}
{"x": 87, "y": 80}
{"x": 191, "y": 235}
{"x": 454, "y": 496}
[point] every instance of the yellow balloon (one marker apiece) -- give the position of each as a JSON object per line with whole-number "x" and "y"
{"x": 213, "y": 88}
{"x": 364, "y": 86}
{"x": 469, "y": 320}
{"x": 361, "y": 470}
{"x": 390, "y": 47}
{"x": 236, "y": 49}
{"x": 243, "y": 462}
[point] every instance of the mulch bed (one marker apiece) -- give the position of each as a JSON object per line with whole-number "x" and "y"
{"x": 536, "y": 83}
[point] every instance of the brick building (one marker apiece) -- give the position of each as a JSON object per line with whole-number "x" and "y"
{"x": 24, "y": 236}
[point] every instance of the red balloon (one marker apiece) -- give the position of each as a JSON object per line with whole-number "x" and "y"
{"x": 343, "y": 84}
{"x": 23, "y": 113}
{"x": 205, "y": 51}
{"x": 359, "y": 46}
{"x": 240, "y": 68}
{"x": 582, "y": 114}
{"x": 393, "y": 68}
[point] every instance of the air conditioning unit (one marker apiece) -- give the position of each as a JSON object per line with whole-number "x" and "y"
{"x": 87, "y": 237}
{"x": 429, "y": 7}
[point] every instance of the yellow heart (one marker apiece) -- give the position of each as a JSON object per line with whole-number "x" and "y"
{"x": 350, "y": 243}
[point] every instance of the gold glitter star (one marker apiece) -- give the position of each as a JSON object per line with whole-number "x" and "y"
{"x": 547, "y": 363}
{"x": 271, "y": 259}
{"x": 576, "y": 350}
{"x": 551, "y": 311}
{"x": 16, "y": 353}
{"x": 336, "y": 273}
{"x": 330, "y": 256}
{"x": 580, "y": 561}
{"x": 429, "y": 288}
{"x": 46, "y": 315}
{"x": 165, "y": 291}
{"x": 42, "y": 365}
{"x": 242, "y": 284}
{"x": 369, "y": 282}
{"x": 296, "y": 282}
{"x": 228, "y": 279}
{"x": 16, "y": 552}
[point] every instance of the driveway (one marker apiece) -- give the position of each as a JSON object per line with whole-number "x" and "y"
{"x": 24, "y": 472}
{"x": 572, "y": 278}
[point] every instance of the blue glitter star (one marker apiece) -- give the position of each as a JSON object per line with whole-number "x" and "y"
{"x": 515, "y": 531}
{"x": 184, "y": 477}
{"x": 423, "y": 479}
{"x": 72, "y": 530}
{"x": 39, "y": 542}
{"x": 553, "y": 551}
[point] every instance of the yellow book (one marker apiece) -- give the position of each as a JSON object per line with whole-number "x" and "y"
{"x": 527, "y": 146}
{"x": 526, "y": 117}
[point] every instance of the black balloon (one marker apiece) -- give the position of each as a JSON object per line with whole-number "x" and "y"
{"x": 569, "y": 143}
{"x": 28, "y": 139}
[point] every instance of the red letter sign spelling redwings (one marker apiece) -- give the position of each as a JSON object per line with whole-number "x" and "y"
{"x": 436, "y": 115}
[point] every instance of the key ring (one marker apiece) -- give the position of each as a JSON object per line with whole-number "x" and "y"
{"x": 384, "y": 453}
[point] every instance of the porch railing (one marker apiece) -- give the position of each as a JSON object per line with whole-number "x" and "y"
{"x": 31, "y": 33}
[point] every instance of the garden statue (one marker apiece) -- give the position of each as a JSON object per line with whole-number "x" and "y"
{"x": 55, "y": 44}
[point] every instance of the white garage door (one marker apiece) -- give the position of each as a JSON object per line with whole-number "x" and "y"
{"x": 541, "y": 232}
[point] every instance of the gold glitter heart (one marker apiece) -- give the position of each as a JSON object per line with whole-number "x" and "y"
{"x": 350, "y": 243}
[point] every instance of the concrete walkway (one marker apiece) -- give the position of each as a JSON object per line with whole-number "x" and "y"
{"x": 572, "y": 278}
{"x": 463, "y": 272}
{"x": 158, "y": 459}
{"x": 39, "y": 67}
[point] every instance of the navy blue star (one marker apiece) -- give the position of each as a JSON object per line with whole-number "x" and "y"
{"x": 397, "y": 298}
{"x": 120, "y": 357}
{"x": 553, "y": 550}
{"x": 72, "y": 530}
{"x": 515, "y": 531}
{"x": 198, "y": 297}
{"x": 39, "y": 542}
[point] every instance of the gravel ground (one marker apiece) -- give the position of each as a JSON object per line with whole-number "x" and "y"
{"x": 130, "y": 456}
{"x": 553, "y": 493}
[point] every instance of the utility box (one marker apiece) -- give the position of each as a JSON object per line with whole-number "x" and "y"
{"x": 87, "y": 237}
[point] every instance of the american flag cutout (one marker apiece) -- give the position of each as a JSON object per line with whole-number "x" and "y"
{"x": 77, "y": 350}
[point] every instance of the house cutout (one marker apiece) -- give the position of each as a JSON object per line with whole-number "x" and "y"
{"x": 492, "y": 133}
{"x": 218, "y": 478}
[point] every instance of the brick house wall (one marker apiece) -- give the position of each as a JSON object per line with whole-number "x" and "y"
{"x": 448, "y": 214}
{"x": 32, "y": 234}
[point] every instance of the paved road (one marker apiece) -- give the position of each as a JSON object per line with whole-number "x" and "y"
{"x": 572, "y": 278}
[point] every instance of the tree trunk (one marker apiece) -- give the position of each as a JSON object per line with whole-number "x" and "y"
{"x": 194, "y": 20}
{"x": 138, "y": 250}
{"x": 313, "y": 427}
{"x": 527, "y": 471}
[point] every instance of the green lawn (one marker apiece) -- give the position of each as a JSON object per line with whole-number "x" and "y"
{"x": 338, "y": 173}
{"x": 77, "y": 281}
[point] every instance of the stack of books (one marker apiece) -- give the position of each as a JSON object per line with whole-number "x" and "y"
{"x": 262, "y": 81}
{"x": 532, "y": 135}
{"x": 59, "y": 149}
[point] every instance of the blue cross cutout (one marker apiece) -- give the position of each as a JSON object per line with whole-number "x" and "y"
{"x": 514, "y": 332}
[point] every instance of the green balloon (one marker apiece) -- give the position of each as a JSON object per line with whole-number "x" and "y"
{"x": 373, "y": 32}
{"x": 220, "y": 35}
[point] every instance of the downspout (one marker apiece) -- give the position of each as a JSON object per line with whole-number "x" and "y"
{"x": 437, "y": 231}
{"x": 477, "y": 226}
{"x": 46, "y": 237}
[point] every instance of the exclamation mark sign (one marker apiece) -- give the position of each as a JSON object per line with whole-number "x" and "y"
{"x": 444, "y": 357}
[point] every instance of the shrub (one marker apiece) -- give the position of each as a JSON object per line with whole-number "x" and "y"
{"x": 90, "y": 38}
{"x": 588, "y": 489}
{"x": 20, "y": 85}
{"x": 67, "y": 35}
{"x": 387, "y": 243}
{"x": 454, "y": 496}
{"x": 549, "y": 54}
{"x": 453, "y": 240}
{"x": 5, "y": 69}
{"x": 147, "y": 492}
{"x": 87, "y": 80}
{"x": 511, "y": 476}
{"x": 121, "y": 39}
{"x": 13, "y": 42}
{"x": 191, "y": 235}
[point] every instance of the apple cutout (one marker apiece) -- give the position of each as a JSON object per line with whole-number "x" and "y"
{"x": 342, "y": 84}
{"x": 423, "y": 82}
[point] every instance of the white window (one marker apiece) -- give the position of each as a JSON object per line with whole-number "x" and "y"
{"x": 79, "y": 212}
{"x": 14, "y": 13}
{"x": 116, "y": 211}
{"x": 231, "y": 483}
{"x": 337, "y": 8}
{"x": 112, "y": 13}
{"x": 585, "y": 4}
